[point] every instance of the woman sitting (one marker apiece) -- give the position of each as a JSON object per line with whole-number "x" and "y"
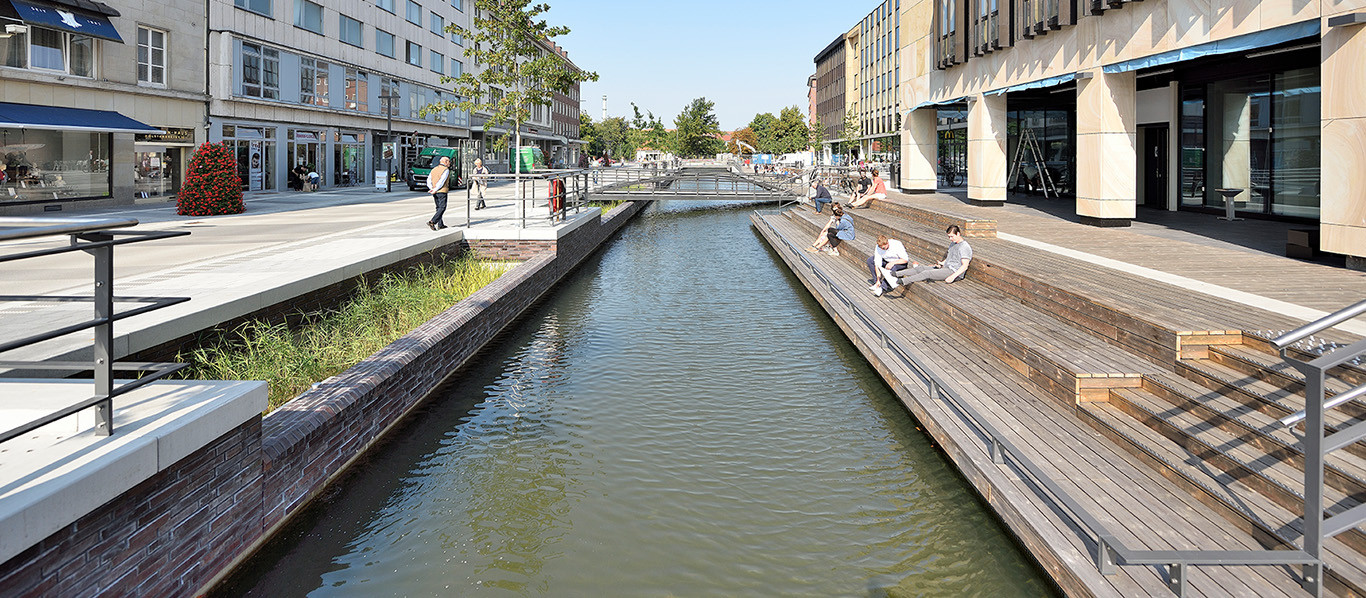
{"x": 839, "y": 229}
{"x": 879, "y": 191}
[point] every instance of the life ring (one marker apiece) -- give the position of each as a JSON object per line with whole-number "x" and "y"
{"x": 556, "y": 195}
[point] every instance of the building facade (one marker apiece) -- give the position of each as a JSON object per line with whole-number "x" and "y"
{"x": 1165, "y": 104}
{"x": 99, "y": 104}
{"x": 830, "y": 87}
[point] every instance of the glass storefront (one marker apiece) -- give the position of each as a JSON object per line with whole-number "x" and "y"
{"x": 159, "y": 161}
{"x": 255, "y": 147}
{"x": 952, "y": 126}
{"x": 306, "y": 151}
{"x": 1048, "y": 159}
{"x": 43, "y": 165}
{"x": 349, "y": 156}
{"x": 1258, "y": 133}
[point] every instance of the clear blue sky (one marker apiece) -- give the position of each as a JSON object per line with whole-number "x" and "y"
{"x": 746, "y": 56}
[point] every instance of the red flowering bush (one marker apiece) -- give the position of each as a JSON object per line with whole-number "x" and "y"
{"x": 211, "y": 183}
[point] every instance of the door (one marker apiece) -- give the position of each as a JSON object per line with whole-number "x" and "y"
{"x": 1154, "y": 165}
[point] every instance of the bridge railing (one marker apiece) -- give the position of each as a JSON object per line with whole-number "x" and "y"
{"x": 97, "y": 237}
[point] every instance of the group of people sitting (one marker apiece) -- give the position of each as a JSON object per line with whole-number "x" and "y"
{"x": 890, "y": 265}
{"x": 868, "y": 190}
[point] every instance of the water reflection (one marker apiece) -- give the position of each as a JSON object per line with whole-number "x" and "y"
{"x": 681, "y": 419}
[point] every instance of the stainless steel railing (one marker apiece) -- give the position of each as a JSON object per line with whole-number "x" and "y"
{"x": 1316, "y": 444}
{"x": 97, "y": 237}
{"x": 1110, "y": 551}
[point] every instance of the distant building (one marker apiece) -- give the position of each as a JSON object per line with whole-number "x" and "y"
{"x": 830, "y": 87}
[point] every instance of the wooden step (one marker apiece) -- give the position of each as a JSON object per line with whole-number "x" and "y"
{"x": 1263, "y": 396}
{"x": 1245, "y": 508}
{"x": 1270, "y": 368}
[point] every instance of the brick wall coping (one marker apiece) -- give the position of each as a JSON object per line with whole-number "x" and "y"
{"x": 56, "y": 474}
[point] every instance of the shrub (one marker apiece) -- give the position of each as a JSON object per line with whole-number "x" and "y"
{"x": 211, "y": 184}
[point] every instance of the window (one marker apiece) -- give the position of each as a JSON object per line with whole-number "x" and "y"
{"x": 417, "y": 98}
{"x": 457, "y": 39}
{"x": 151, "y": 56}
{"x": 357, "y": 91}
{"x": 308, "y": 15}
{"x": 438, "y": 62}
{"x": 439, "y": 115}
{"x": 313, "y": 82}
{"x": 260, "y": 72}
{"x": 51, "y": 50}
{"x": 414, "y": 54}
{"x": 386, "y": 5}
{"x": 457, "y": 68}
{"x": 437, "y": 24}
{"x": 14, "y": 51}
{"x": 351, "y": 31}
{"x": 384, "y": 43}
{"x": 389, "y": 87}
{"x": 260, "y": 6}
{"x": 414, "y": 13}
{"x": 459, "y": 5}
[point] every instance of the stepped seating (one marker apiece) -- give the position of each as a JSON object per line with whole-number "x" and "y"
{"x": 1194, "y": 397}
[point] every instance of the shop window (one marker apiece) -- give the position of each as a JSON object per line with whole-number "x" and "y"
{"x": 413, "y": 54}
{"x": 39, "y": 165}
{"x": 151, "y": 56}
{"x": 257, "y": 6}
{"x": 260, "y": 72}
{"x": 313, "y": 82}
{"x": 357, "y": 91}
{"x": 351, "y": 31}
{"x": 308, "y": 15}
{"x": 384, "y": 43}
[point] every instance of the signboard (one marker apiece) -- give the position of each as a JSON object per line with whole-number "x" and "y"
{"x": 388, "y": 150}
{"x": 255, "y": 170}
{"x": 381, "y": 180}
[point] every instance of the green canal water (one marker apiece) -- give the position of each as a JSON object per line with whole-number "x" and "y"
{"x": 680, "y": 418}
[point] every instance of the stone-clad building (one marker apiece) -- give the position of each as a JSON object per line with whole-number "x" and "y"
{"x": 1117, "y": 103}
{"x": 101, "y": 103}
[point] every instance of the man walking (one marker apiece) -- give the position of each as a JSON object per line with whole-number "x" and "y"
{"x": 438, "y": 183}
{"x": 481, "y": 182}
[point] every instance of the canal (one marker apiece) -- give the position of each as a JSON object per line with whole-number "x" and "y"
{"x": 679, "y": 418}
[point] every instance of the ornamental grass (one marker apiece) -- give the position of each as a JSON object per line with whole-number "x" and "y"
{"x": 326, "y": 343}
{"x": 211, "y": 186}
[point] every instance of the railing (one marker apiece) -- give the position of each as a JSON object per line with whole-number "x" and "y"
{"x": 97, "y": 237}
{"x": 1110, "y": 551}
{"x": 576, "y": 188}
{"x": 1316, "y": 444}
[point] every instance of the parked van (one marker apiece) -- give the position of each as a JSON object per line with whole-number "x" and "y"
{"x": 428, "y": 158}
{"x": 531, "y": 157}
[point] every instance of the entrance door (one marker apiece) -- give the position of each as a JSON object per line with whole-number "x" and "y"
{"x": 1154, "y": 165}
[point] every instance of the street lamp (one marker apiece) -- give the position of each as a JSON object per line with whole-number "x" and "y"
{"x": 389, "y": 122}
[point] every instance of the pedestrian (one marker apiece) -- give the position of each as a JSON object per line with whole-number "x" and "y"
{"x": 840, "y": 229}
{"x": 890, "y": 255}
{"x": 481, "y": 182}
{"x": 314, "y": 179}
{"x": 438, "y": 183}
{"x": 954, "y": 266}
{"x": 821, "y": 196}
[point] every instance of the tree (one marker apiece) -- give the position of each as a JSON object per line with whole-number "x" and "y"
{"x": 852, "y": 130}
{"x": 504, "y": 39}
{"x": 790, "y": 132}
{"x": 211, "y": 186}
{"x": 613, "y": 134}
{"x": 745, "y": 135}
{"x": 697, "y": 130}
{"x": 763, "y": 127}
{"x": 817, "y": 134}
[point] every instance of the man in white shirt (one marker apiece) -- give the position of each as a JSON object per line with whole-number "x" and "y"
{"x": 891, "y": 255}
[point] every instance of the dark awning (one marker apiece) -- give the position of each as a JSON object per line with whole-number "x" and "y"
{"x": 55, "y": 118}
{"x": 95, "y": 25}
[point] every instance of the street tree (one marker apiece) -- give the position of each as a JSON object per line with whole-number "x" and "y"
{"x": 697, "y": 130}
{"x": 790, "y": 133}
{"x": 745, "y": 135}
{"x": 764, "y": 126}
{"x": 614, "y": 135}
{"x": 851, "y": 131}
{"x": 817, "y": 134}
{"x": 517, "y": 72}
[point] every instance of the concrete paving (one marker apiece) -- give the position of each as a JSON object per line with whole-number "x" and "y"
{"x": 285, "y": 244}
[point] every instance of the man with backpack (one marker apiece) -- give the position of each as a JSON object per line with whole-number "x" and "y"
{"x": 438, "y": 183}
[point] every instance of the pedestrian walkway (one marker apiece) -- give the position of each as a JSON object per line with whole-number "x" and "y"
{"x": 285, "y": 245}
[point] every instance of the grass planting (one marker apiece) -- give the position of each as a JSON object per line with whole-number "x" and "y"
{"x": 328, "y": 342}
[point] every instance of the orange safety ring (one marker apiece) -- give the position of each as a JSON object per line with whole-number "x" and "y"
{"x": 556, "y": 195}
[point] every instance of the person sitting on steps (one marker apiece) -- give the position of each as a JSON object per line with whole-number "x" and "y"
{"x": 889, "y": 255}
{"x": 822, "y": 195}
{"x": 954, "y": 266}
{"x": 879, "y": 191}
{"x": 840, "y": 229}
{"x": 863, "y": 184}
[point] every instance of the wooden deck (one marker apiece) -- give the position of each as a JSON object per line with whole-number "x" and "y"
{"x": 1146, "y": 401}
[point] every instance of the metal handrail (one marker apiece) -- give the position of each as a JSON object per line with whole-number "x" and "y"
{"x": 98, "y": 237}
{"x": 1283, "y": 342}
{"x": 1110, "y": 550}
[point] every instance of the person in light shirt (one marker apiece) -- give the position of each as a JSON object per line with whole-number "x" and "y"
{"x": 954, "y": 266}
{"x": 891, "y": 256}
{"x": 878, "y": 191}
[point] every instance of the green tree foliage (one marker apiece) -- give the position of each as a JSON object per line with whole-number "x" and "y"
{"x": 697, "y": 130}
{"x": 746, "y": 135}
{"x": 764, "y": 126}
{"x": 211, "y": 184}
{"x": 588, "y": 132}
{"x": 852, "y": 131}
{"x": 817, "y": 133}
{"x": 613, "y": 134}
{"x": 503, "y": 40}
{"x": 790, "y": 133}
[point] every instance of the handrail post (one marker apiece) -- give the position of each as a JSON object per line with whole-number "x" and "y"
{"x": 104, "y": 331}
{"x": 1105, "y": 556}
{"x": 1313, "y": 478}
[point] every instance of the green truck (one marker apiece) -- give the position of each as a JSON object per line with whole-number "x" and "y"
{"x": 531, "y": 158}
{"x": 427, "y": 159}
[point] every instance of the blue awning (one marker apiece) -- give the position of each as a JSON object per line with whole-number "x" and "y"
{"x": 1041, "y": 83}
{"x": 65, "y": 20}
{"x": 56, "y": 118}
{"x": 930, "y": 103}
{"x": 1240, "y": 43}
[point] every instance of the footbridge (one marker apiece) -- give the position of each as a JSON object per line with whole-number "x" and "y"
{"x": 707, "y": 182}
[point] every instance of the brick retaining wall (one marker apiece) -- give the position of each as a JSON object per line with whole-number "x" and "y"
{"x": 182, "y": 530}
